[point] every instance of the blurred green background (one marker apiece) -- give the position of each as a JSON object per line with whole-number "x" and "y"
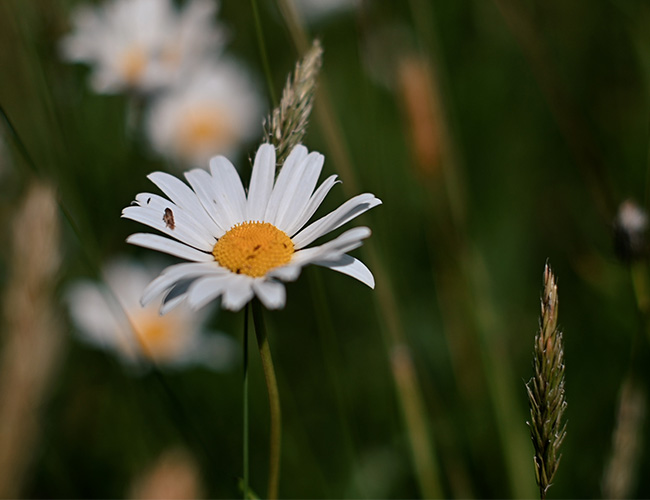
{"x": 542, "y": 130}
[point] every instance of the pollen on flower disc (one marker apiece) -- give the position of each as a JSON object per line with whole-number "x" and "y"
{"x": 253, "y": 248}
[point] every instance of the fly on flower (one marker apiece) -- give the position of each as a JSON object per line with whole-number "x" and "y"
{"x": 243, "y": 245}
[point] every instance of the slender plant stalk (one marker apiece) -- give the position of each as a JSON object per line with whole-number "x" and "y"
{"x": 546, "y": 390}
{"x": 245, "y": 402}
{"x": 274, "y": 400}
{"x": 407, "y": 385}
{"x": 621, "y": 470}
{"x": 622, "y": 467}
{"x": 468, "y": 292}
{"x": 32, "y": 339}
{"x": 263, "y": 54}
{"x": 334, "y": 367}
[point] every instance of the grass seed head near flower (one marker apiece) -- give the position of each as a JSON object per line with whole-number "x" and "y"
{"x": 240, "y": 245}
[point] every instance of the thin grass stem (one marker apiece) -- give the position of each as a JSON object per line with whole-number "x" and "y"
{"x": 334, "y": 366}
{"x": 407, "y": 385}
{"x": 245, "y": 402}
{"x": 263, "y": 54}
{"x": 274, "y": 400}
{"x": 475, "y": 281}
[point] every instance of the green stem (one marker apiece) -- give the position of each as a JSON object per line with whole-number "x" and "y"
{"x": 274, "y": 400}
{"x": 263, "y": 54}
{"x": 245, "y": 402}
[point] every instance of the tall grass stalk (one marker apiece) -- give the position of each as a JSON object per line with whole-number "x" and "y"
{"x": 469, "y": 278}
{"x": 621, "y": 470}
{"x": 263, "y": 55}
{"x": 404, "y": 375}
{"x": 275, "y": 439}
{"x": 622, "y": 466}
{"x": 334, "y": 366}
{"x": 33, "y": 335}
{"x": 546, "y": 389}
{"x": 245, "y": 402}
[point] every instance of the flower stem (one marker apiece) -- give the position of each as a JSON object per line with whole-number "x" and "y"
{"x": 245, "y": 402}
{"x": 274, "y": 400}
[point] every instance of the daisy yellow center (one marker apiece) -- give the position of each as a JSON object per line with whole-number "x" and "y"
{"x": 204, "y": 128}
{"x": 253, "y": 248}
{"x": 133, "y": 64}
{"x": 158, "y": 336}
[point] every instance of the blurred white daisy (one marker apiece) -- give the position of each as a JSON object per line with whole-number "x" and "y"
{"x": 141, "y": 45}
{"x": 134, "y": 332}
{"x": 213, "y": 112}
{"x": 240, "y": 245}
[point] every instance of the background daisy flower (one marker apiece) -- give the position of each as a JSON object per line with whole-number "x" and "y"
{"x": 240, "y": 245}
{"x": 141, "y": 45}
{"x": 214, "y": 111}
{"x": 172, "y": 340}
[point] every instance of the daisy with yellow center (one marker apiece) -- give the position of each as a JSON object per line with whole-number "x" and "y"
{"x": 135, "y": 333}
{"x": 243, "y": 245}
{"x": 213, "y": 112}
{"x": 142, "y": 45}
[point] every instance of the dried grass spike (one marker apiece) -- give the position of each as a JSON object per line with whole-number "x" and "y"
{"x": 32, "y": 337}
{"x": 546, "y": 389}
{"x": 287, "y": 124}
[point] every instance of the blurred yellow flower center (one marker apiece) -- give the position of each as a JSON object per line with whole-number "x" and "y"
{"x": 253, "y": 248}
{"x": 203, "y": 128}
{"x": 159, "y": 337}
{"x": 133, "y": 64}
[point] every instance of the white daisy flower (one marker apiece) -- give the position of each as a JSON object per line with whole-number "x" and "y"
{"x": 134, "y": 332}
{"x": 213, "y": 112}
{"x": 241, "y": 245}
{"x": 141, "y": 45}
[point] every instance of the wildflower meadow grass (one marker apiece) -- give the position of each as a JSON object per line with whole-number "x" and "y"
{"x": 298, "y": 249}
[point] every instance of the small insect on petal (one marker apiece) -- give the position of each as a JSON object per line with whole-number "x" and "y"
{"x": 168, "y": 218}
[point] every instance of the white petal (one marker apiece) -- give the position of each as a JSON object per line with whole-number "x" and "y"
{"x": 184, "y": 197}
{"x": 206, "y": 289}
{"x": 231, "y": 190}
{"x": 238, "y": 291}
{"x": 314, "y": 202}
{"x": 261, "y": 184}
{"x": 171, "y": 304}
{"x": 352, "y": 267}
{"x": 346, "y": 212}
{"x": 90, "y": 309}
{"x": 178, "y": 272}
{"x": 285, "y": 273}
{"x": 271, "y": 293}
{"x": 171, "y": 247}
{"x": 182, "y": 230}
{"x": 299, "y": 192}
{"x": 201, "y": 183}
{"x": 294, "y": 160}
{"x": 333, "y": 249}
